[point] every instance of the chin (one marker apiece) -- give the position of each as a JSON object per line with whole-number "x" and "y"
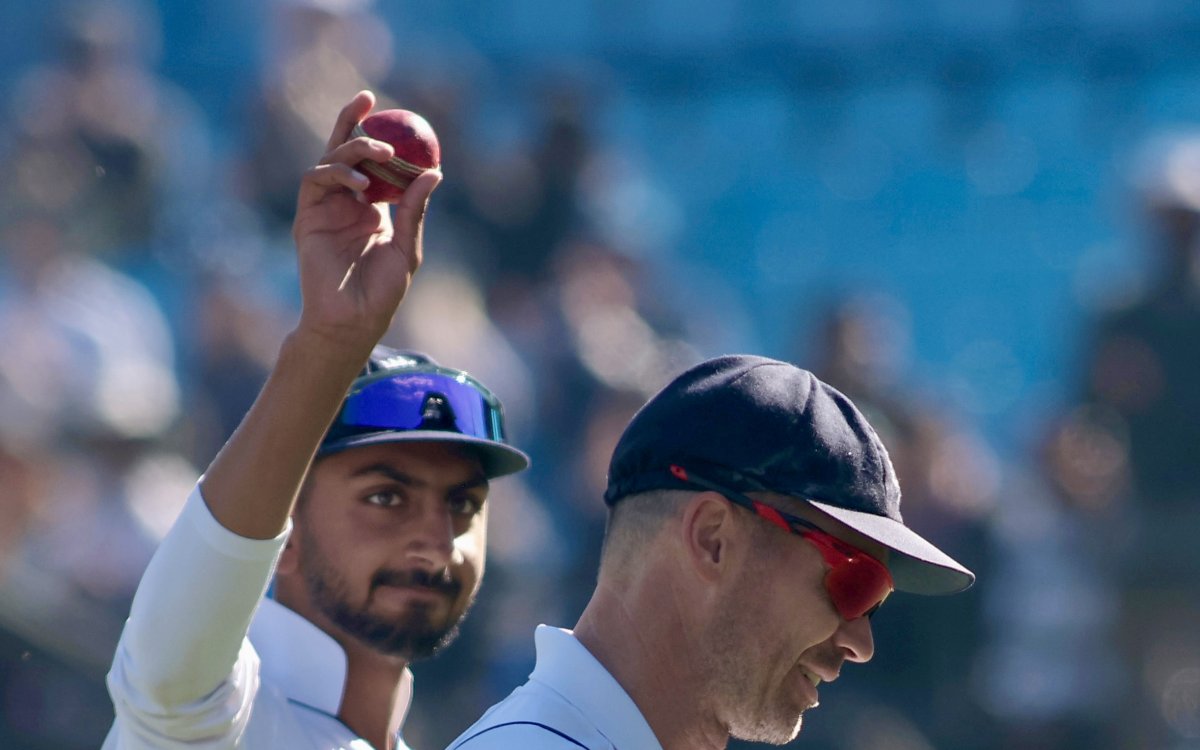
{"x": 796, "y": 727}
{"x": 772, "y": 731}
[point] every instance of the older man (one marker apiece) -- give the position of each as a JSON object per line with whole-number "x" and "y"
{"x": 754, "y": 527}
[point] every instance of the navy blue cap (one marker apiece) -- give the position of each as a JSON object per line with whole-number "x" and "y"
{"x": 758, "y": 424}
{"x": 497, "y": 456}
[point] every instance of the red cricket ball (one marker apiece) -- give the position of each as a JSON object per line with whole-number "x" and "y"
{"x": 416, "y": 147}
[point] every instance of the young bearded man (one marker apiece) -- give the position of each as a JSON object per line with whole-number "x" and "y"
{"x": 376, "y": 553}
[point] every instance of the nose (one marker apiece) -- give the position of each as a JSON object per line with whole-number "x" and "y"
{"x": 855, "y": 639}
{"x": 430, "y": 540}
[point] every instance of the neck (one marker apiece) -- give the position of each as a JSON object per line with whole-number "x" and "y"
{"x": 373, "y": 686}
{"x": 373, "y": 683}
{"x": 644, "y": 639}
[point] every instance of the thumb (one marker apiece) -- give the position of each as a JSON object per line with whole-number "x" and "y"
{"x": 410, "y": 210}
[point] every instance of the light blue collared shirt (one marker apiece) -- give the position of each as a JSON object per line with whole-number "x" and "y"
{"x": 570, "y": 701}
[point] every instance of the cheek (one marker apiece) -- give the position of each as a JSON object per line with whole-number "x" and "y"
{"x": 471, "y": 547}
{"x": 352, "y": 547}
{"x": 800, "y": 603}
{"x": 322, "y": 571}
{"x": 820, "y": 617}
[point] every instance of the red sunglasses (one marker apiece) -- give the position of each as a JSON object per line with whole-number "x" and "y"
{"x": 857, "y": 583}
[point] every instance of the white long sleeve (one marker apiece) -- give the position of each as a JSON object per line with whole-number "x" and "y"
{"x": 184, "y": 674}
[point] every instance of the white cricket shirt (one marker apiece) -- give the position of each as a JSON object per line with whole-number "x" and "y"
{"x": 570, "y": 701}
{"x": 198, "y": 668}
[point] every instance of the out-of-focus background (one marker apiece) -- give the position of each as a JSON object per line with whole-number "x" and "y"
{"x": 978, "y": 219}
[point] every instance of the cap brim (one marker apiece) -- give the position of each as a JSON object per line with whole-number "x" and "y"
{"x": 917, "y": 566}
{"x": 498, "y": 459}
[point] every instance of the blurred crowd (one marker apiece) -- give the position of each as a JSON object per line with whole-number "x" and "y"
{"x": 146, "y": 279}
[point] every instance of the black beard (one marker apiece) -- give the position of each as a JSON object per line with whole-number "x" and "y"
{"x": 412, "y": 637}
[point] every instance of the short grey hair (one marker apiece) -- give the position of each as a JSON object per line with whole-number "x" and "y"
{"x": 636, "y": 519}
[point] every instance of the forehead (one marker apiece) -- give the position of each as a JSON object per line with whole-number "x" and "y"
{"x": 825, "y": 522}
{"x": 435, "y": 462}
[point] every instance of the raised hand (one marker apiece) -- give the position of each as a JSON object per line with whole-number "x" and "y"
{"x": 356, "y": 259}
{"x": 356, "y": 262}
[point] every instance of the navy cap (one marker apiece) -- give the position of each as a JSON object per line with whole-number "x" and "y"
{"x": 758, "y": 424}
{"x": 418, "y": 404}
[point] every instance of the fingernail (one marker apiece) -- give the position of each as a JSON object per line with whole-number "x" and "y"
{"x": 359, "y": 176}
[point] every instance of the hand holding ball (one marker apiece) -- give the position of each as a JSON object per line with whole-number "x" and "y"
{"x": 416, "y": 148}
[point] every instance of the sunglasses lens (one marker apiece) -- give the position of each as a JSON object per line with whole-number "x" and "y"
{"x": 423, "y": 400}
{"x": 857, "y": 586}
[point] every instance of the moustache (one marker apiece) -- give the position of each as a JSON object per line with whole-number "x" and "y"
{"x": 442, "y": 583}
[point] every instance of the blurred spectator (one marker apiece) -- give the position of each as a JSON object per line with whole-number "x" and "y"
{"x": 101, "y": 142}
{"x": 87, "y": 349}
{"x": 524, "y": 198}
{"x": 27, "y": 462}
{"x": 1141, "y": 370}
{"x": 1050, "y": 673}
{"x": 1144, "y": 356}
{"x": 948, "y": 476}
{"x": 99, "y": 146}
{"x": 234, "y": 296}
{"x": 948, "y": 473}
{"x": 232, "y": 344}
{"x": 317, "y": 54}
{"x": 87, "y": 387}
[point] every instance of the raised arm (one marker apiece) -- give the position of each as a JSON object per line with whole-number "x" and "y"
{"x": 184, "y": 672}
{"x": 356, "y": 263}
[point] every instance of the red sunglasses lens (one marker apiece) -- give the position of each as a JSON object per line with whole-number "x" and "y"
{"x": 857, "y": 586}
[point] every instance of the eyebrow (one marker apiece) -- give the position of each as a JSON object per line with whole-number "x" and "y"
{"x": 399, "y": 477}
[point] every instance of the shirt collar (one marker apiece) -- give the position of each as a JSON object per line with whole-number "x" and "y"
{"x": 307, "y": 664}
{"x": 566, "y": 666}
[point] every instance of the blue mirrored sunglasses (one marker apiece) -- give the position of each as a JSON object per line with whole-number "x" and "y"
{"x": 432, "y": 398}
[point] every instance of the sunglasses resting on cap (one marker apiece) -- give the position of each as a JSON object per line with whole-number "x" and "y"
{"x": 408, "y": 397}
{"x": 432, "y": 398}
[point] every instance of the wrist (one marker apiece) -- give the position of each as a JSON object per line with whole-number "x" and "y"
{"x": 319, "y": 353}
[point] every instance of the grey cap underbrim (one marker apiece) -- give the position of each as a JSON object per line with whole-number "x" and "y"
{"x": 917, "y": 566}
{"x": 498, "y": 459}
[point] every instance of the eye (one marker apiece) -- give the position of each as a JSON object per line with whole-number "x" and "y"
{"x": 385, "y": 499}
{"x": 465, "y": 505}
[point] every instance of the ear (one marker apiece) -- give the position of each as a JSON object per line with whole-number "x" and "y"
{"x": 289, "y": 558}
{"x": 708, "y": 530}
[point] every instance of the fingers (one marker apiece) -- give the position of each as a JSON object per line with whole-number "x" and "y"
{"x": 358, "y": 149}
{"x": 320, "y": 180}
{"x": 351, "y": 115}
{"x": 337, "y": 169}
